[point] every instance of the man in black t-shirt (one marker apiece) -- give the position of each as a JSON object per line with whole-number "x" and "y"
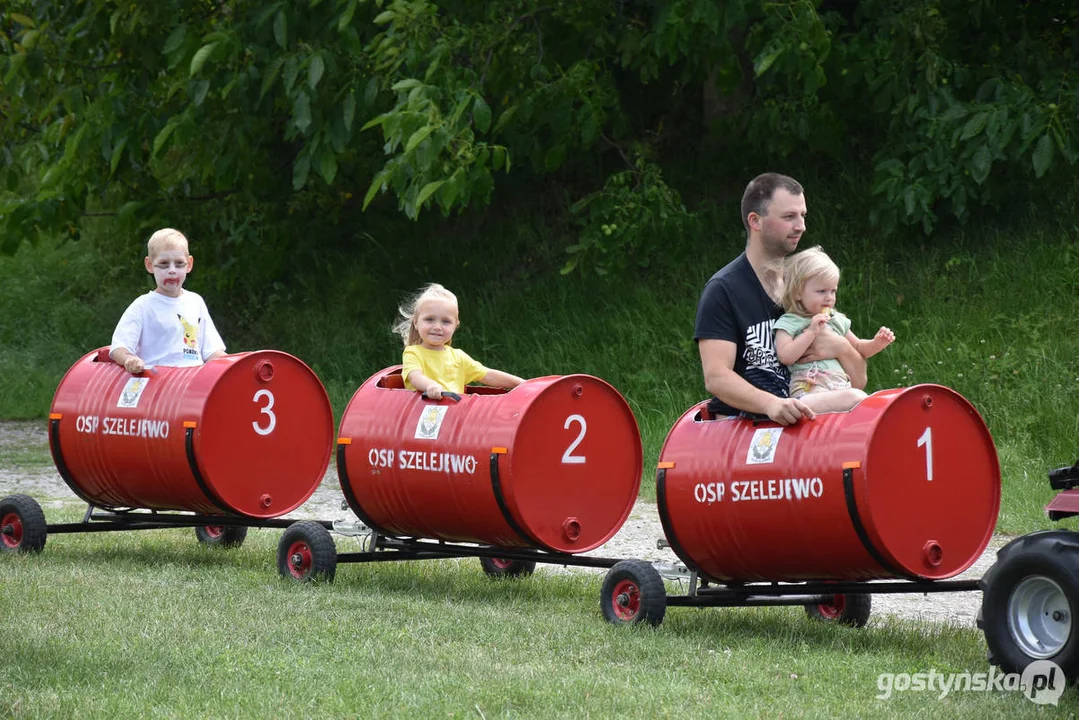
{"x": 738, "y": 308}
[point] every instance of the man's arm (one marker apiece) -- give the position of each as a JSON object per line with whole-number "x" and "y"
{"x": 831, "y": 345}
{"x": 717, "y": 362}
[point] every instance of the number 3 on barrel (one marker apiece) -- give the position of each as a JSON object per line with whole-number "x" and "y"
{"x": 568, "y": 458}
{"x": 271, "y": 419}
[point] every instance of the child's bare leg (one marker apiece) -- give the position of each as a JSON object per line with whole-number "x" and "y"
{"x": 833, "y": 400}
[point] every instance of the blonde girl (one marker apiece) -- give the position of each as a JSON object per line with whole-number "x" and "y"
{"x": 809, "y": 294}
{"x": 429, "y": 363}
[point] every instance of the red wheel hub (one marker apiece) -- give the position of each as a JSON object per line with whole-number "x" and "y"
{"x": 11, "y": 530}
{"x": 214, "y": 531}
{"x": 501, "y": 563}
{"x": 626, "y": 600}
{"x": 299, "y": 559}
{"x": 834, "y": 609}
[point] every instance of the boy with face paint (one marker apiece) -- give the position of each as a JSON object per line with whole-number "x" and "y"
{"x": 169, "y": 325}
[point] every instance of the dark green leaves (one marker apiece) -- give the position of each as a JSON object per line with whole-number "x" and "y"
{"x": 200, "y": 58}
{"x": 1043, "y": 155}
{"x": 481, "y": 114}
{"x": 315, "y": 68}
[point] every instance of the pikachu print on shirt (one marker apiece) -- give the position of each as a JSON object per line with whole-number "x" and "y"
{"x": 191, "y": 340}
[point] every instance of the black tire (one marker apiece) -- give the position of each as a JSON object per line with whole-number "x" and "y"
{"x": 224, "y": 536}
{"x": 851, "y": 609}
{"x": 633, "y": 593}
{"x": 22, "y": 525}
{"x": 1029, "y": 600}
{"x": 501, "y": 568}
{"x": 306, "y": 552}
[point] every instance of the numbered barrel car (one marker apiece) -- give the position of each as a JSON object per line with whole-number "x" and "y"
{"x": 541, "y": 473}
{"x": 233, "y": 443}
{"x": 904, "y": 488}
{"x": 1030, "y": 596}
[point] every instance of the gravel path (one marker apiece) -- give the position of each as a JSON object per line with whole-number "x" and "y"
{"x": 636, "y": 539}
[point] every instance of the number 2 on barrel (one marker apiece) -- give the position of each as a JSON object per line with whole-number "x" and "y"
{"x": 271, "y": 421}
{"x": 927, "y": 440}
{"x": 568, "y": 458}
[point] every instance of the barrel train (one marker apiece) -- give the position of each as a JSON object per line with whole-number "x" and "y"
{"x": 898, "y": 495}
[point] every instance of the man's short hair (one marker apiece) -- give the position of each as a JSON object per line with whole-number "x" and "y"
{"x": 761, "y": 189}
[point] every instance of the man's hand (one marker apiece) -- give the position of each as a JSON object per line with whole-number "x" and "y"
{"x": 787, "y": 411}
{"x": 827, "y": 346}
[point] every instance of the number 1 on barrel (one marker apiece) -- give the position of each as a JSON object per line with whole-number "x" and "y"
{"x": 927, "y": 440}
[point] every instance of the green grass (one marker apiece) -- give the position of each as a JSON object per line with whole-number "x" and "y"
{"x": 149, "y": 623}
{"x": 24, "y": 445}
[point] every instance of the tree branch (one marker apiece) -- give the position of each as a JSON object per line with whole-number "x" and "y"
{"x": 618, "y": 147}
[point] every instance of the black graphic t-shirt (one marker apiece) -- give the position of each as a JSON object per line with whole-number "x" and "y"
{"x": 735, "y": 307}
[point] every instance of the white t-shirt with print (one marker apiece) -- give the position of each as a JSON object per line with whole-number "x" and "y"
{"x": 163, "y": 330}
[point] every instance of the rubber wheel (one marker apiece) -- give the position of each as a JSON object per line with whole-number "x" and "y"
{"x": 1029, "y": 599}
{"x": 225, "y": 536}
{"x": 633, "y": 593}
{"x": 22, "y": 525}
{"x": 306, "y": 552}
{"x": 500, "y": 568}
{"x": 852, "y": 609}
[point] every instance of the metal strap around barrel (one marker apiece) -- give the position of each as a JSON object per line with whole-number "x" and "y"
{"x": 350, "y": 496}
{"x": 859, "y": 528}
{"x": 496, "y": 485}
{"x": 189, "y": 446}
{"x": 61, "y": 464}
{"x": 665, "y": 520}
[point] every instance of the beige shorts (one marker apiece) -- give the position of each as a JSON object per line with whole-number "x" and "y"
{"x": 814, "y": 380}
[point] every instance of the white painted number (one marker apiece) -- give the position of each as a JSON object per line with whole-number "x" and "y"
{"x": 927, "y": 440}
{"x": 568, "y": 457}
{"x": 268, "y": 411}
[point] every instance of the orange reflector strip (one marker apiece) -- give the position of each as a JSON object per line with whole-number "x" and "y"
{"x": 666, "y": 465}
{"x": 344, "y": 441}
{"x": 56, "y": 416}
{"x": 852, "y": 465}
{"x": 190, "y": 424}
{"x": 499, "y": 451}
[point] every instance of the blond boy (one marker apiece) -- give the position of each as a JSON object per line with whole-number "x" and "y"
{"x": 169, "y": 325}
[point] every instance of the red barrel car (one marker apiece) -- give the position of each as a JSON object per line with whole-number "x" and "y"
{"x": 249, "y": 434}
{"x": 554, "y": 464}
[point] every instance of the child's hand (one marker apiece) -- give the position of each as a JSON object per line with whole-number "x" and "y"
{"x": 433, "y": 391}
{"x": 884, "y": 337}
{"x": 134, "y": 364}
{"x": 818, "y": 322}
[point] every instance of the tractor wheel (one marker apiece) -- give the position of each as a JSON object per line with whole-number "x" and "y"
{"x": 851, "y": 609}
{"x": 1029, "y": 600}
{"x": 225, "y": 536}
{"x": 632, "y": 593}
{"x": 22, "y": 525}
{"x": 306, "y": 552}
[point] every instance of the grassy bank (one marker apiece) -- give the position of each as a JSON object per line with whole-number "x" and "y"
{"x": 151, "y": 624}
{"x": 988, "y": 313}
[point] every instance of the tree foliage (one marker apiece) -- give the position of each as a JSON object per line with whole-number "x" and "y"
{"x": 276, "y": 124}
